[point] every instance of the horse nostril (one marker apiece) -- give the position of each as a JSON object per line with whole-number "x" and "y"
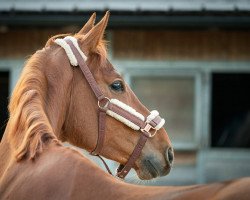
{"x": 170, "y": 155}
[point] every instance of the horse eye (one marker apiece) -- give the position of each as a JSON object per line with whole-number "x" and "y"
{"x": 117, "y": 86}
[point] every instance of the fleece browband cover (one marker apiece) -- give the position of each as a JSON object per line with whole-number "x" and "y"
{"x": 73, "y": 62}
{"x": 153, "y": 115}
{"x": 69, "y": 52}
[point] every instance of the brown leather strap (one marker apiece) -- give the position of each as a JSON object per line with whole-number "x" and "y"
{"x": 85, "y": 70}
{"x": 101, "y": 133}
{"x": 105, "y": 164}
{"x": 154, "y": 122}
{"x": 98, "y": 93}
{"x": 121, "y": 173}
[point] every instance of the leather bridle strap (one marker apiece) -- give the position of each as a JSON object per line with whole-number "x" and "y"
{"x": 114, "y": 108}
{"x": 85, "y": 70}
{"x": 122, "y": 171}
{"x": 99, "y": 95}
{"x": 101, "y": 133}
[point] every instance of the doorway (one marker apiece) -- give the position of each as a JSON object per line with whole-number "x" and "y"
{"x": 4, "y": 94}
{"x": 230, "y": 110}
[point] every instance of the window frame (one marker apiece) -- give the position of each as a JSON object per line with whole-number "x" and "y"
{"x": 14, "y": 67}
{"x": 143, "y": 71}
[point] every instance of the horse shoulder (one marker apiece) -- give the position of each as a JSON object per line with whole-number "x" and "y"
{"x": 58, "y": 173}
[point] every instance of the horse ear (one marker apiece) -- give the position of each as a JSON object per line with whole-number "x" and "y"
{"x": 95, "y": 35}
{"x": 89, "y": 25}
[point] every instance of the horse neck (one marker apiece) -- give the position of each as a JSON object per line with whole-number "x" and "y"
{"x": 58, "y": 104}
{"x": 37, "y": 109}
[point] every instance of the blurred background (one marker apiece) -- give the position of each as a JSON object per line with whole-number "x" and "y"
{"x": 190, "y": 59}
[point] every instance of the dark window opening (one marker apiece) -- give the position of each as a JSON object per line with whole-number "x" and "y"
{"x": 230, "y": 110}
{"x": 4, "y": 93}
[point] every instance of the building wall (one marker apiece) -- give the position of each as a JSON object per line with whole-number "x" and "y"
{"x": 21, "y": 43}
{"x": 171, "y": 45}
{"x": 175, "y": 45}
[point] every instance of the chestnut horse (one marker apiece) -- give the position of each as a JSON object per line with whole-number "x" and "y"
{"x": 53, "y": 102}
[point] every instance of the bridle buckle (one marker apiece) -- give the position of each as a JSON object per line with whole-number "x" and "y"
{"x": 103, "y": 103}
{"x": 150, "y": 130}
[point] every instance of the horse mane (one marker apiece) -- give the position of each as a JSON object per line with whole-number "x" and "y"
{"x": 29, "y": 126}
{"x": 53, "y": 38}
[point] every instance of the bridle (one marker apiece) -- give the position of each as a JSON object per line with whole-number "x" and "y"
{"x": 147, "y": 126}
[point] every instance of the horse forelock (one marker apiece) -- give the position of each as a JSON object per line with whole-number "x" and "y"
{"x": 29, "y": 127}
{"x": 102, "y": 51}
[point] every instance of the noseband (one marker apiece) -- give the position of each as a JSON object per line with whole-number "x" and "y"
{"x": 148, "y": 126}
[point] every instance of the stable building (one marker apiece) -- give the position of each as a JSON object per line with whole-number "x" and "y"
{"x": 188, "y": 59}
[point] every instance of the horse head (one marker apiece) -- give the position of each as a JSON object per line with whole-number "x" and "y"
{"x": 70, "y": 107}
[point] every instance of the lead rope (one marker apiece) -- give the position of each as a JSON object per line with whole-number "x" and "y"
{"x": 100, "y": 139}
{"x": 114, "y": 108}
{"x": 105, "y": 164}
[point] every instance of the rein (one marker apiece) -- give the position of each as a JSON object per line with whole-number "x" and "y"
{"x": 148, "y": 126}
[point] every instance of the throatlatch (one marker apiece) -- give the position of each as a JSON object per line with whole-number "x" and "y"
{"x": 148, "y": 126}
